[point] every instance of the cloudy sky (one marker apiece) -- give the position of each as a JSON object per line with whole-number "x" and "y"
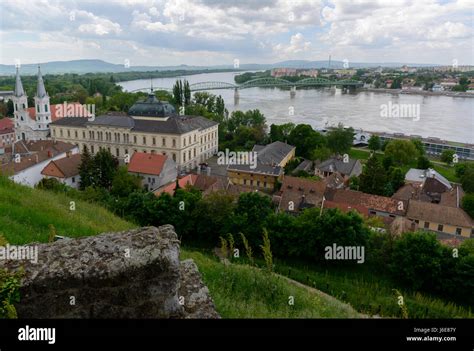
{"x": 209, "y": 32}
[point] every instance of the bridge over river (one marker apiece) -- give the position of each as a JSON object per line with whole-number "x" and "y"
{"x": 268, "y": 82}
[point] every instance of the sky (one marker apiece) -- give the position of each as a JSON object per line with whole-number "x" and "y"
{"x": 220, "y": 32}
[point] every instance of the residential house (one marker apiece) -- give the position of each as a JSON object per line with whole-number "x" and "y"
{"x": 352, "y": 167}
{"x": 65, "y": 170}
{"x": 297, "y": 194}
{"x": 269, "y": 167}
{"x": 7, "y": 132}
{"x": 440, "y": 219}
{"x": 155, "y": 170}
{"x": 372, "y": 205}
{"x": 28, "y": 159}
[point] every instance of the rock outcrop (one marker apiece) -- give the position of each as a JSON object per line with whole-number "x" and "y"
{"x": 131, "y": 274}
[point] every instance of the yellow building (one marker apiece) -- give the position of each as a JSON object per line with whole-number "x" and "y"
{"x": 269, "y": 168}
{"x": 441, "y": 219}
{"x": 151, "y": 126}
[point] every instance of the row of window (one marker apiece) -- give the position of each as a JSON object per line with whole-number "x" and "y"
{"x": 426, "y": 225}
{"x": 251, "y": 182}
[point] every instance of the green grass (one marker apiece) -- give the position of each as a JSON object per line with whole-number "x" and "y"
{"x": 26, "y": 215}
{"x": 360, "y": 154}
{"x": 446, "y": 171}
{"x": 242, "y": 291}
{"x": 369, "y": 292}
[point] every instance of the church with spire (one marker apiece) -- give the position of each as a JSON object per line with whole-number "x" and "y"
{"x": 31, "y": 123}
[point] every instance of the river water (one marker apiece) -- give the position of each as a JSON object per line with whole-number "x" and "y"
{"x": 450, "y": 118}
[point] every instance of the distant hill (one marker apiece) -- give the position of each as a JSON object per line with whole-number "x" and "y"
{"x": 99, "y": 66}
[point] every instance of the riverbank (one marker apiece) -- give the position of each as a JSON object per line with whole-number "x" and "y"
{"x": 419, "y": 92}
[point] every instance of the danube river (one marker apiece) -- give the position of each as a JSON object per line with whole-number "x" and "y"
{"x": 450, "y": 118}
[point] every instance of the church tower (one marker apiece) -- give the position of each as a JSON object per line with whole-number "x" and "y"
{"x": 42, "y": 107}
{"x": 20, "y": 109}
{"x": 31, "y": 124}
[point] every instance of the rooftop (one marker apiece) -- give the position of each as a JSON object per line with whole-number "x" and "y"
{"x": 68, "y": 166}
{"x": 146, "y": 163}
{"x": 437, "y": 213}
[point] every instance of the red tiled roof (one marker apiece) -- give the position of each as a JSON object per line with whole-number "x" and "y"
{"x": 371, "y": 202}
{"x": 145, "y": 163}
{"x": 301, "y": 190}
{"x": 68, "y": 166}
{"x": 187, "y": 179}
{"x": 347, "y": 208}
{"x": 6, "y": 125}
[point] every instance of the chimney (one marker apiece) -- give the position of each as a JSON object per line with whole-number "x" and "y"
{"x": 50, "y": 154}
{"x": 68, "y": 154}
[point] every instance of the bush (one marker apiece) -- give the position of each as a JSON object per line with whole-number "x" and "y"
{"x": 416, "y": 260}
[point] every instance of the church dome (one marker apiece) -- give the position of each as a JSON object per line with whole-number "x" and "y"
{"x": 152, "y": 107}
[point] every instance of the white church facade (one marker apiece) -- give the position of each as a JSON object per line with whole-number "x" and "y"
{"x": 31, "y": 123}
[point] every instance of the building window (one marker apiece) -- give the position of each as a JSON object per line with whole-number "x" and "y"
{"x": 189, "y": 154}
{"x": 174, "y": 157}
{"x": 174, "y": 142}
{"x": 184, "y": 157}
{"x": 38, "y": 108}
{"x": 117, "y": 152}
{"x": 458, "y": 231}
{"x": 92, "y": 148}
{"x": 184, "y": 142}
{"x": 163, "y": 142}
{"x": 83, "y": 135}
{"x": 427, "y": 225}
{"x": 144, "y": 140}
{"x": 75, "y": 133}
{"x": 54, "y": 132}
{"x": 61, "y": 132}
{"x": 440, "y": 227}
{"x": 190, "y": 139}
{"x": 258, "y": 183}
{"x": 416, "y": 220}
{"x": 264, "y": 184}
{"x": 46, "y": 108}
{"x": 73, "y": 179}
{"x": 245, "y": 181}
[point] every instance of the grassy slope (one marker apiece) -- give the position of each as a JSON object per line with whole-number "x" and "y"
{"x": 241, "y": 291}
{"x": 369, "y": 292}
{"x": 26, "y": 214}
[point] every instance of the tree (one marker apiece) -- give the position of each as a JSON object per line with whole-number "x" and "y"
{"x": 354, "y": 183}
{"x": 305, "y": 139}
{"x": 416, "y": 260}
{"x": 124, "y": 183}
{"x": 419, "y": 146}
{"x": 397, "y": 179}
{"x": 468, "y": 204}
{"x": 447, "y": 156}
{"x": 373, "y": 178}
{"x": 374, "y": 143}
{"x": 321, "y": 153}
{"x": 86, "y": 169}
{"x": 281, "y": 132}
{"x": 403, "y": 151}
{"x": 423, "y": 162}
{"x": 467, "y": 180}
{"x": 104, "y": 168}
{"x": 340, "y": 140}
